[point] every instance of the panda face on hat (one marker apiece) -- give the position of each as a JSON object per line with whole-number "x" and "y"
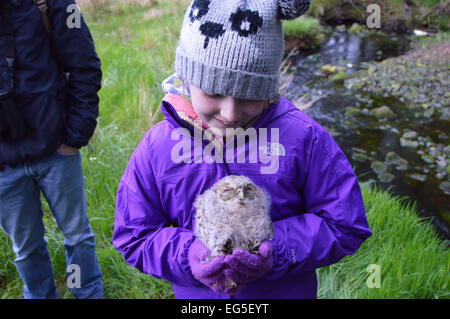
{"x": 243, "y": 21}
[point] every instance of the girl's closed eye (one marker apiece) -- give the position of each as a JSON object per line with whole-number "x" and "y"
{"x": 212, "y": 95}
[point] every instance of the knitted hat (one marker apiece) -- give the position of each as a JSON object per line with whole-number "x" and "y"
{"x": 235, "y": 47}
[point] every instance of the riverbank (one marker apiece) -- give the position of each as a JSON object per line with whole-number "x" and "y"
{"x": 395, "y": 15}
{"x": 417, "y": 86}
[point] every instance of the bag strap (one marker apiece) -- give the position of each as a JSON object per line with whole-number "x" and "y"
{"x": 43, "y": 7}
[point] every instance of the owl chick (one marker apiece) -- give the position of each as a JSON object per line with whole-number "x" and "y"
{"x": 233, "y": 214}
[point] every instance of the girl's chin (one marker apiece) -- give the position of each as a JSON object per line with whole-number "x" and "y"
{"x": 222, "y": 130}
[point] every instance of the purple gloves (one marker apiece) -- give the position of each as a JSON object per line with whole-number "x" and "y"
{"x": 208, "y": 273}
{"x": 244, "y": 267}
{"x": 229, "y": 273}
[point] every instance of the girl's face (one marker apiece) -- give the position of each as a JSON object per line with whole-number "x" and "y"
{"x": 221, "y": 112}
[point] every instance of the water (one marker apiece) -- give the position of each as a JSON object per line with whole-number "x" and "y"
{"x": 366, "y": 140}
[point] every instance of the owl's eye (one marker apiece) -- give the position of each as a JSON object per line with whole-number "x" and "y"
{"x": 250, "y": 191}
{"x": 250, "y": 187}
{"x": 227, "y": 194}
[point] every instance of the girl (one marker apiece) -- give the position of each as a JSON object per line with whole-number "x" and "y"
{"x": 227, "y": 71}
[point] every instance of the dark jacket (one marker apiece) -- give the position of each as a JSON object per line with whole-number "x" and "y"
{"x": 55, "y": 109}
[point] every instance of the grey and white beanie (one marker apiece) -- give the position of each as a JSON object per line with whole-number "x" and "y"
{"x": 235, "y": 47}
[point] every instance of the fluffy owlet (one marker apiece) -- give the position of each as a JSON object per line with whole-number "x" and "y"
{"x": 234, "y": 213}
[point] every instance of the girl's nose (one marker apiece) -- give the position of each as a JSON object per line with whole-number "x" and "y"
{"x": 229, "y": 111}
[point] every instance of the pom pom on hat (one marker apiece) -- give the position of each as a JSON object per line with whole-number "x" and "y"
{"x": 291, "y": 9}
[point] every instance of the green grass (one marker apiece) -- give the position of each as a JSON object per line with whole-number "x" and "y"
{"x": 413, "y": 261}
{"x": 136, "y": 56}
{"x": 303, "y": 26}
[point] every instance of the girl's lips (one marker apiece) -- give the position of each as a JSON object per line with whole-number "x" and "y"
{"x": 226, "y": 124}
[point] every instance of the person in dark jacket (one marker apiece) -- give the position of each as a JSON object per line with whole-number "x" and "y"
{"x": 53, "y": 86}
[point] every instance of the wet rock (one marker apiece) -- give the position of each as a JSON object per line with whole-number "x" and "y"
{"x": 352, "y": 111}
{"x": 357, "y": 28}
{"x": 427, "y": 158}
{"x": 378, "y": 167}
{"x": 445, "y": 187}
{"x": 445, "y": 114}
{"x": 428, "y": 113}
{"x": 383, "y": 112}
{"x": 440, "y": 175}
{"x": 442, "y": 136}
{"x": 408, "y": 143}
{"x": 391, "y": 158}
{"x": 418, "y": 177}
{"x": 442, "y": 163}
{"x": 447, "y": 150}
{"x": 400, "y": 163}
{"x": 340, "y": 77}
{"x": 386, "y": 177}
{"x": 409, "y": 135}
{"x": 331, "y": 69}
{"x": 359, "y": 157}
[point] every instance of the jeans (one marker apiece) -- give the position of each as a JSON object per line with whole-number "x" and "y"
{"x": 60, "y": 179}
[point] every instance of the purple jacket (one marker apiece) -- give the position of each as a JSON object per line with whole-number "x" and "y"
{"x": 317, "y": 206}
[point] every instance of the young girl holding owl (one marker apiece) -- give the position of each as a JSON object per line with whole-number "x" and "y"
{"x": 227, "y": 73}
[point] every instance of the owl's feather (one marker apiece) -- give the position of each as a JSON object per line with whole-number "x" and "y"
{"x": 234, "y": 213}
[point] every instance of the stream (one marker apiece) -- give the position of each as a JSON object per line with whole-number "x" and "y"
{"x": 377, "y": 148}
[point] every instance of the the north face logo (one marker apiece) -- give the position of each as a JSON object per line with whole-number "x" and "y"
{"x": 273, "y": 149}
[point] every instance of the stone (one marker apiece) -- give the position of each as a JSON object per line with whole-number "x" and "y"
{"x": 409, "y": 135}
{"x": 356, "y": 28}
{"x": 340, "y": 77}
{"x": 442, "y": 164}
{"x": 447, "y": 150}
{"x": 386, "y": 177}
{"x": 391, "y": 158}
{"x": 327, "y": 68}
{"x": 383, "y": 112}
{"x": 352, "y": 111}
{"x": 445, "y": 187}
{"x": 408, "y": 143}
{"x": 402, "y": 164}
{"x": 359, "y": 157}
{"x": 427, "y": 158}
{"x": 378, "y": 167}
{"x": 418, "y": 177}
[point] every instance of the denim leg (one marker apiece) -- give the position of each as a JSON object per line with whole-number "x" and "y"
{"x": 61, "y": 181}
{"x": 21, "y": 219}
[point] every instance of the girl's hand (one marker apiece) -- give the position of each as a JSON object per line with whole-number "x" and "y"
{"x": 245, "y": 267}
{"x": 208, "y": 273}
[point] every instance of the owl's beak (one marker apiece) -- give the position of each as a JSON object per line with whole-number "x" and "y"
{"x": 240, "y": 194}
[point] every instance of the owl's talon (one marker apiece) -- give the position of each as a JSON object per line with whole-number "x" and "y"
{"x": 230, "y": 284}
